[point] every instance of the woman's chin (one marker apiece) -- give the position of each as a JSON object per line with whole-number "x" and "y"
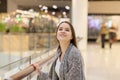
{"x": 61, "y": 40}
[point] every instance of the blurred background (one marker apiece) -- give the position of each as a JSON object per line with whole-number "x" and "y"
{"x": 28, "y": 29}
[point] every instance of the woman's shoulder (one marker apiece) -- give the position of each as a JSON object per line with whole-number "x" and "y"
{"x": 74, "y": 55}
{"x": 75, "y": 51}
{"x": 74, "y": 48}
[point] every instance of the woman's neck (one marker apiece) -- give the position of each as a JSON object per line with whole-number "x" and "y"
{"x": 64, "y": 47}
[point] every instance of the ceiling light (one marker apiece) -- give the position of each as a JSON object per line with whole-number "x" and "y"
{"x": 31, "y": 10}
{"x": 45, "y": 7}
{"x": 54, "y": 6}
{"x": 53, "y": 13}
{"x": 46, "y": 11}
{"x": 67, "y": 7}
{"x": 40, "y": 6}
{"x": 64, "y": 13}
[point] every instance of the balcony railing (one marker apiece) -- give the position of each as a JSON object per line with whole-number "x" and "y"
{"x": 28, "y": 70}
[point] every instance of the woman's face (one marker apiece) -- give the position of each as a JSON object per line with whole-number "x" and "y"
{"x": 64, "y": 33}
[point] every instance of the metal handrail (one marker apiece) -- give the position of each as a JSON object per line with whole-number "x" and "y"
{"x": 28, "y": 70}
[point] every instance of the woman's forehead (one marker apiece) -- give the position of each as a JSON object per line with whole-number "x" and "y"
{"x": 64, "y": 25}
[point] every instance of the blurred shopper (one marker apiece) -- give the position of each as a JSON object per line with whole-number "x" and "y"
{"x": 68, "y": 64}
{"x": 112, "y": 35}
{"x": 103, "y": 32}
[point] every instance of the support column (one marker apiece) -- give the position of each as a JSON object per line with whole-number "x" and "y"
{"x": 79, "y": 21}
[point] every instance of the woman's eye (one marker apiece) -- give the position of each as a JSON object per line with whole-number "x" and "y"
{"x": 67, "y": 30}
{"x": 60, "y": 29}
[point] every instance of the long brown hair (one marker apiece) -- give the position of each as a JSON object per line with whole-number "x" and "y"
{"x": 73, "y": 40}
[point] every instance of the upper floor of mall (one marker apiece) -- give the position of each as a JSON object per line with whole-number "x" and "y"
{"x": 93, "y": 6}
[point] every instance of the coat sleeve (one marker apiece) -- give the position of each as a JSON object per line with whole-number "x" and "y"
{"x": 48, "y": 76}
{"x": 42, "y": 76}
{"x": 75, "y": 71}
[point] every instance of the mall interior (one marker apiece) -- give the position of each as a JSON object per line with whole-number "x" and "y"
{"x": 28, "y": 35}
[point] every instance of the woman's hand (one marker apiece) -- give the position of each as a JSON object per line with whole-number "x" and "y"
{"x": 37, "y": 67}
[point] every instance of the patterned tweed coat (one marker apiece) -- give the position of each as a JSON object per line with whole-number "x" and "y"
{"x": 71, "y": 67}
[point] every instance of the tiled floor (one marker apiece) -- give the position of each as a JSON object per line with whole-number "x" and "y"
{"x": 102, "y": 64}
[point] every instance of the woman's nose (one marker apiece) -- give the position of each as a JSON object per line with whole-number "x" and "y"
{"x": 63, "y": 31}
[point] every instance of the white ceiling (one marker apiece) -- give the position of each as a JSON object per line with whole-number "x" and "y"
{"x": 33, "y": 3}
{"x": 60, "y": 3}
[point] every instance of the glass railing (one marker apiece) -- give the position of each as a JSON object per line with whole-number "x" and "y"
{"x": 19, "y": 65}
{"x": 15, "y": 61}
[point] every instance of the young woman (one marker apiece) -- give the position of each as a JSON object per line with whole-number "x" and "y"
{"x": 68, "y": 64}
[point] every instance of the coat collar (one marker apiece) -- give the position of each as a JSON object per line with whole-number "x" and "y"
{"x": 66, "y": 52}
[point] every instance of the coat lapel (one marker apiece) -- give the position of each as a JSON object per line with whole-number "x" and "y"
{"x": 63, "y": 66}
